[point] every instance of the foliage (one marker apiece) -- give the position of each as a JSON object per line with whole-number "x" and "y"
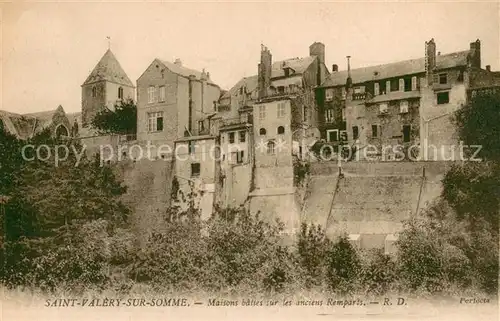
{"x": 300, "y": 171}
{"x": 312, "y": 246}
{"x": 123, "y": 120}
{"x": 472, "y": 189}
{"x": 343, "y": 265}
{"x": 478, "y": 123}
{"x": 46, "y": 244}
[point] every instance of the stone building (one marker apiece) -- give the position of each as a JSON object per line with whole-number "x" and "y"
{"x": 25, "y": 126}
{"x": 398, "y": 105}
{"x": 174, "y": 102}
{"x": 262, "y": 120}
{"x": 106, "y": 84}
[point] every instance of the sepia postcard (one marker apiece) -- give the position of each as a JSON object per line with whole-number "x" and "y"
{"x": 249, "y": 160}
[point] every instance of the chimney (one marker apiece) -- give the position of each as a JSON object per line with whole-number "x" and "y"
{"x": 349, "y": 79}
{"x": 264, "y": 72}
{"x": 178, "y": 62}
{"x": 317, "y": 49}
{"x": 430, "y": 59}
{"x": 204, "y": 75}
{"x": 335, "y": 68}
{"x": 488, "y": 68}
{"x": 475, "y": 54}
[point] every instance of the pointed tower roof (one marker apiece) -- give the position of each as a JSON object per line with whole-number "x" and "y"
{"x": 109, "y": 69}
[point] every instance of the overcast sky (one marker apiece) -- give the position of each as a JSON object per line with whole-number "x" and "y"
{"x": 49, "y": 48}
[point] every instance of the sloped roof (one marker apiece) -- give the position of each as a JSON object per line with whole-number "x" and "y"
{"x": 299, "y": 65}
{"x": 184, "y": 71}
{"x": 251, "y": 83}
{"x": 395, "y": 69}
{"x": 21, "y": 126}
{"x": 484, "y": 79}
{"x": 109, "y": 69}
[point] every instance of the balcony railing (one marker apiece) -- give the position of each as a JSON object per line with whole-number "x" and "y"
{"x": 358, "y": 96}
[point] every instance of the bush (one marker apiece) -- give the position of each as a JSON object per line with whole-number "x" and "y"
{"x": 343, "y": 266}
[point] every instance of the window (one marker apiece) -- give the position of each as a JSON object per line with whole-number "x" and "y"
{"x": 94, "y": 91}
{"x": 262, "y": 112}
{"x": 388, "y": 86}
{"x": 443, "y": 97}
{"x": 262, "y": 131}
{"x": 401, "y": 84}
{"x": 270, "y": 148}
{"x": 162, "y": 93}
{"x": 231, "y": 138}
{"x": 376, "y": 89}
{"x": 281, "y": 130}
{"x": 195, "y": 169}
{"x": 443, "y": 79}
{"x": 414, "y": 83}
{"x": 383, "y": 108}
{"x": 355, "y": 132}
{"x": 201, "y": 126}
{"x": 281, "y": 110}
{"x": 304, "y": 113}
{"x": 243, "y": 136}
{"x": 281, "y": 89}
{"x": 406, "y": 133}
{"x": 329, "y": 116}
{"x": 239, "y": 157}
{"x": 374, "y": 131}
{"x": 332, "y": 135}
{"x": 120, "y": 92}
{"x": 329, "y": 94}
{"x": 460, "y": 76}
{"x": 343, "y": 114}
{"x": 403, "y": 106}
{"x": 151, "y": 94}
{"x": 344, "y": 93}
{"x": 61, "y": 131}
{"x": 155, "y": 121}
{"x": 408, "y": 84}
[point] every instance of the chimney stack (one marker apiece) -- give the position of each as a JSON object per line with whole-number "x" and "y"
{"x": 430, "y": 59}
{"x": 317, "y": 49}
{"x": 475, "y": 54}
{"x": 349, "y": 79}
{"x": 264, "y": 71}
{"x": 204, "y": 75}
{"x": 335, "y": 68}
{"x": 178, "y": 62}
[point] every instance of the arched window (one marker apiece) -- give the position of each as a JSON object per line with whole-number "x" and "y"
{"x": 281, "y": 130}
{"x": 94, "y": 91}
{"x": 262, "y": 131}
{"x": 270, "y": 147}
{"x": 120, "y": 92}
{"x": 61, "y": 131}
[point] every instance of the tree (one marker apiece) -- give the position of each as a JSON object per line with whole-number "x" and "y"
{"x": 50, "y": 214}
{"x": 478, "y": 123}
{"x": 123, "y": 120}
